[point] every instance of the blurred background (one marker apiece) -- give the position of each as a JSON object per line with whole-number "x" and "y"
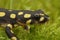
{"x": 47, "y": 31}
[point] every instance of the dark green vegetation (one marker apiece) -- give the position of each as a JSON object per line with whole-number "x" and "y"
{"x": 47, "y": 31}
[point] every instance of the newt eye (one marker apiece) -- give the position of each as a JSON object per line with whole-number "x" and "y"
{"x": 36, "y": 15}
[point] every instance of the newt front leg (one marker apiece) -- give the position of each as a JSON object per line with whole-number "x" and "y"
{"x": 10, "y": 33}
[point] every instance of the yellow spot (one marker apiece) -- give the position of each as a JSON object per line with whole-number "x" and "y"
{"x": 9, "y": 10}
{"x": 2, "y": 14}
{"x": 20, "y": 13}
{"x": 41, "y": 14}
{"x": 15, "y": 25}
{"x": 12, "y": 16}
{"x": 27, "y": 15}
{"x": 28, "y": 27}
{"x": 11, "y": 31}
{"x": 42, "y": 18}
{"x": 13, "y": 38}
{"x": 28, "y": 21}
{"x": 9, "y": 25}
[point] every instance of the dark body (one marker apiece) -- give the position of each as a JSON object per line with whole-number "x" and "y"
{"x": 20, "y": 17}
{"x": 7, "y": 19}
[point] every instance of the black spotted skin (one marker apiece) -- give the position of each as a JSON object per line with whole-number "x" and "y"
{"x": 20, "y": 17}
{"x": 6, "y": 17}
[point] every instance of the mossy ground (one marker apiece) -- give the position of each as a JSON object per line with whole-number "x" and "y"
{"x": 47, "y": 31}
